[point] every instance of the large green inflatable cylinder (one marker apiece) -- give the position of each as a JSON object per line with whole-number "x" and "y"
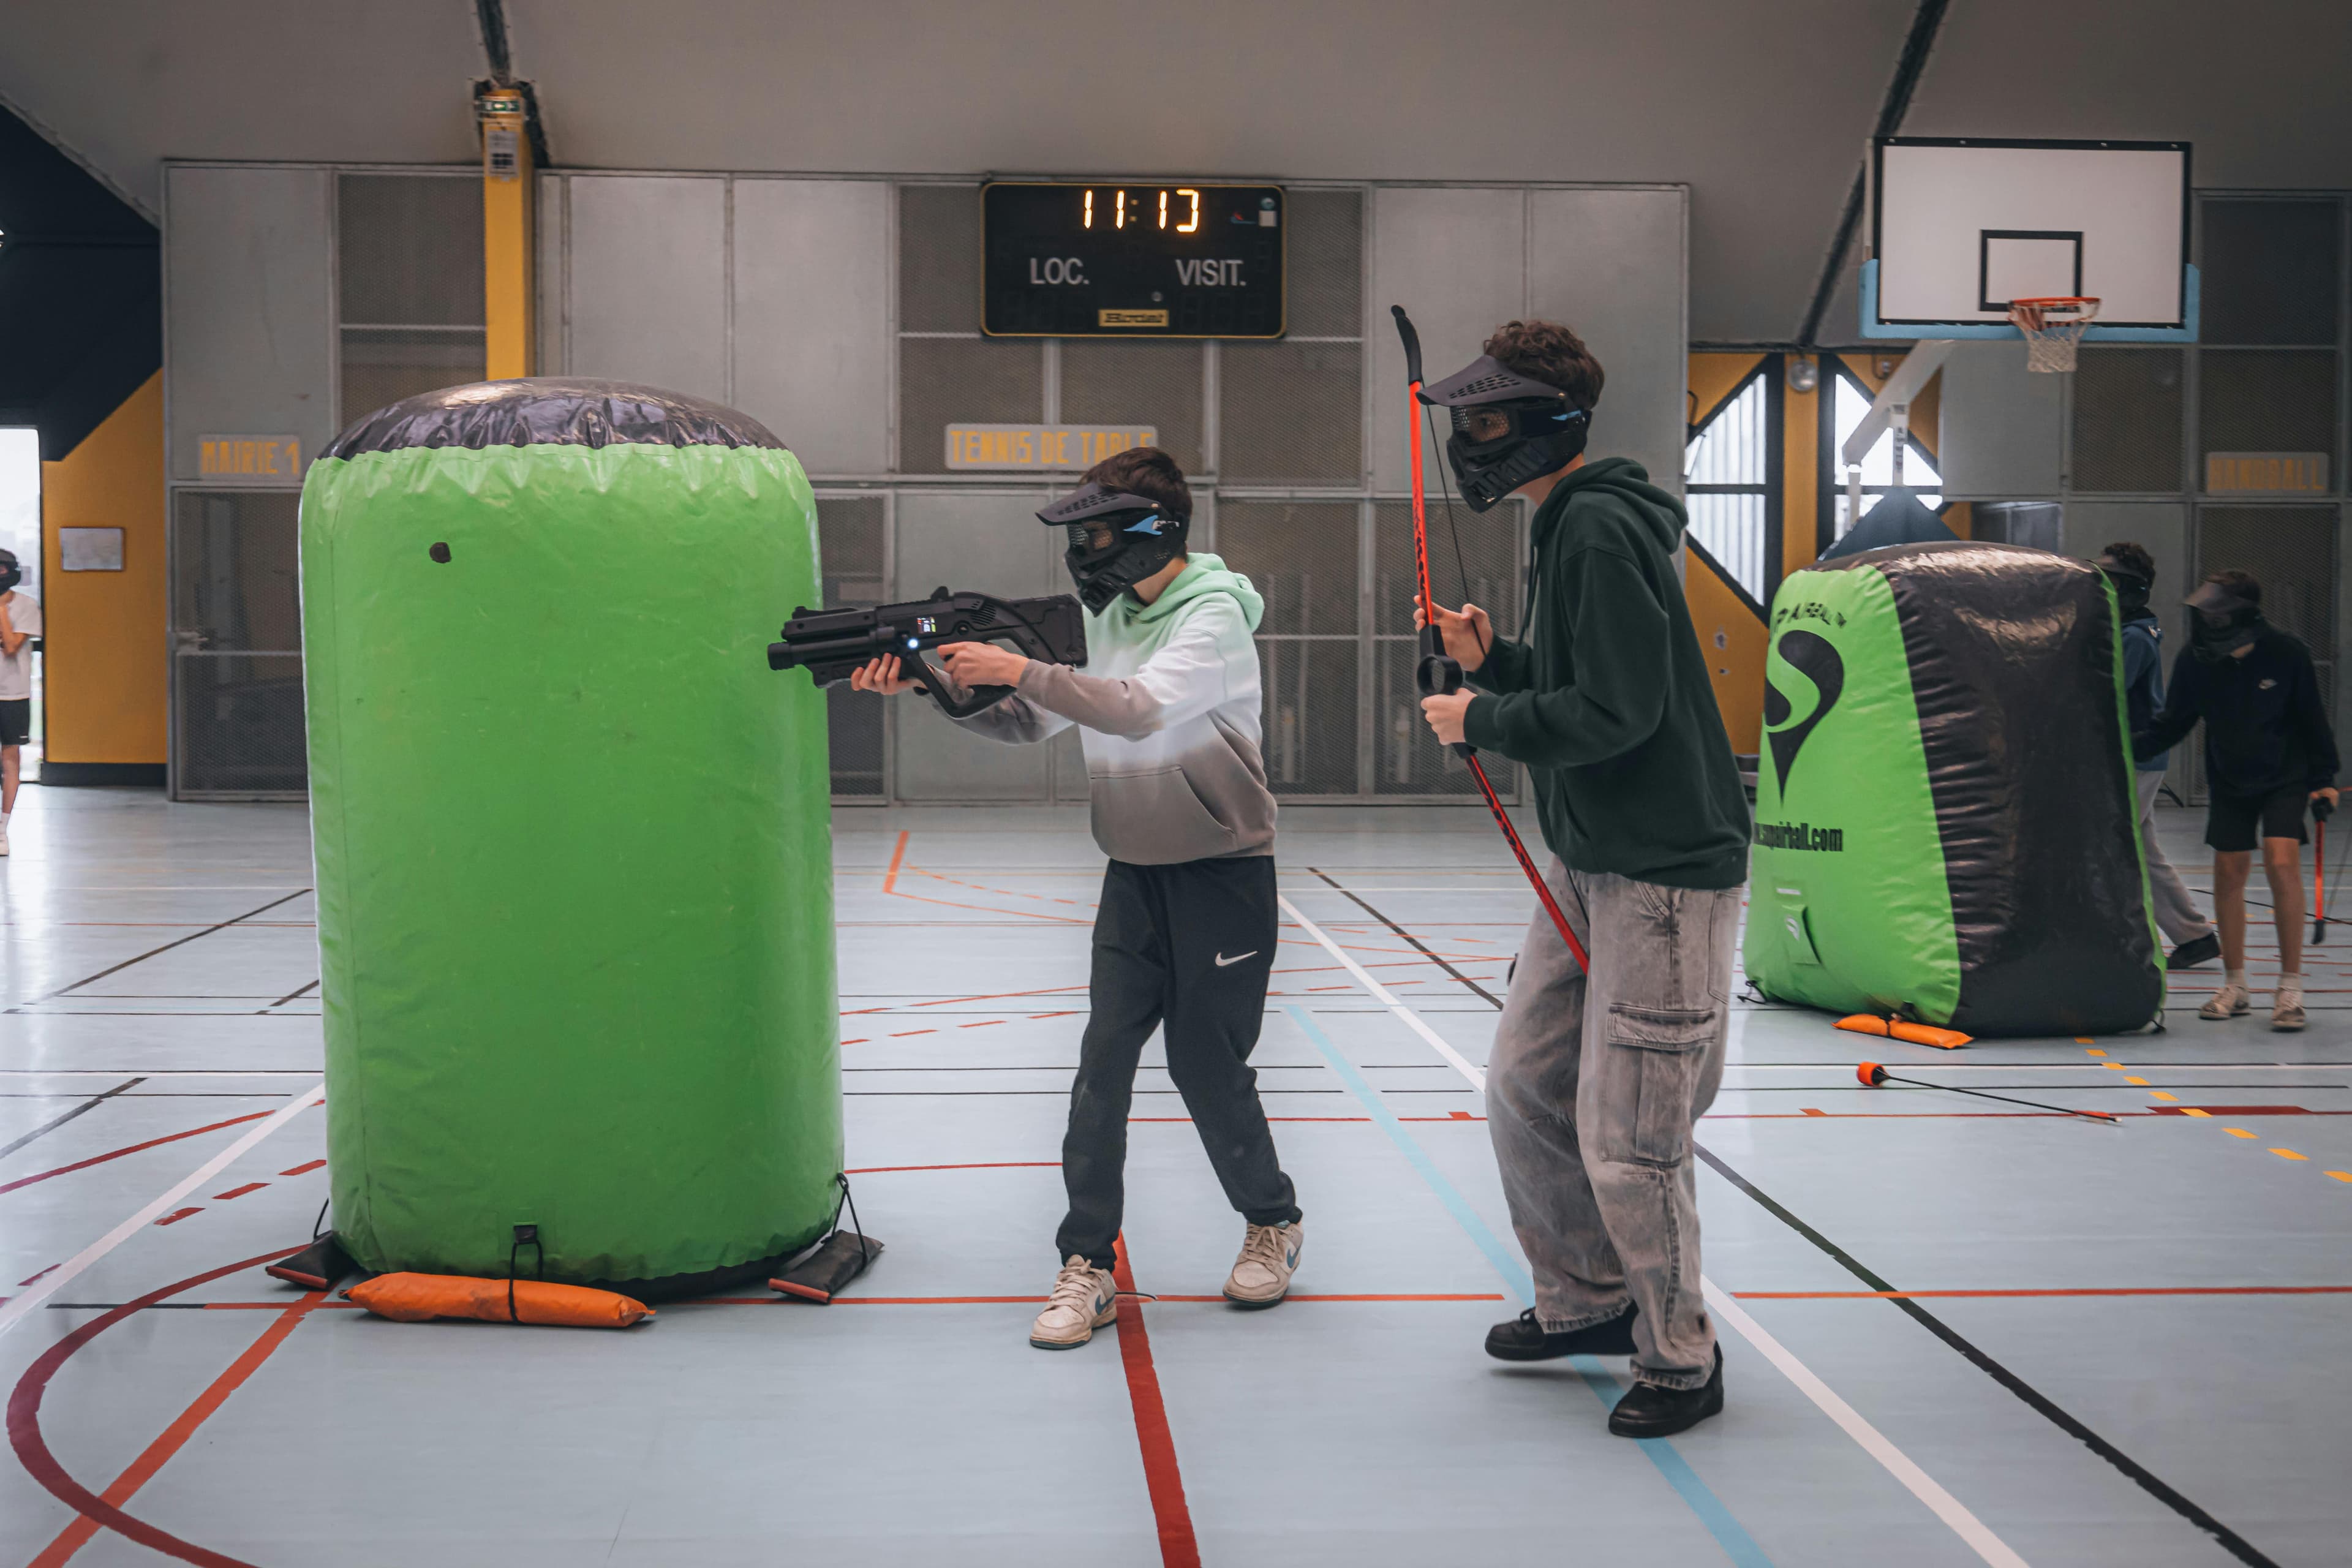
{"x": 573, "y": 854}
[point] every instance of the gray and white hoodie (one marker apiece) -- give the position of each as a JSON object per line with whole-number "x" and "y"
{"x": 1168, "y": 707}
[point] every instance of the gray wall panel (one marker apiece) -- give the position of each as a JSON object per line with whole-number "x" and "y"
{"x": 248, "y": 280}
{"x": 2002, "y": 425}
{"x": 989, "y": 542}
{"x": 648, "y": 298}
{"x": 548, "y": 242}
{"x": 813, "y": 345}
{"x": 1611, "y": 264}
{"x": 1455, "y": 260}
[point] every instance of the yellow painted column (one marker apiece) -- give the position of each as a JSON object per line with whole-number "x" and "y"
{"x": 507, "y": 254}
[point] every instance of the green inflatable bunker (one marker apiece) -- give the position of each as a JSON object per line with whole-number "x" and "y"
{"x": 572, "y": 838}
{"x": 1945, "y": 822}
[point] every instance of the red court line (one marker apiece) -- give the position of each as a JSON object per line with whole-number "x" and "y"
{"x": 32, "y": 1450}
{"x": 176, "y": 1216}
{"x": 898, "y": 859}
{"x": 238, "y": 1192}
{"x": 1178, "y": 1547}
{"x": 2140, "y": 1290}
{"x": 133, "y": 1149}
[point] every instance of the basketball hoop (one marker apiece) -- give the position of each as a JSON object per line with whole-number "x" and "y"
{"x": 2053, "y": 327}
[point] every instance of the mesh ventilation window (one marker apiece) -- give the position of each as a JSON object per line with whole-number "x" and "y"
{"x": 240, "y": 725}
{"x": 1323, "y": 261}
{"x": 1303, "y": 557}
{"x": 236, "y": 584}
{"x": 1291, "y": 414}
{"x": 2266, "y": 400}
{"x": 383, "y": 366}
{"x": 2291, "y": 551}
{"x": 938, "y": 258}
{"x": 850, "y": 551}
{"x": 2127, "y": 425}
{"x": 2272, "y": 272}
{"x": 963, "y": 381}
{"x": 1108, "y": 382}
{"x": 409, "y": 250}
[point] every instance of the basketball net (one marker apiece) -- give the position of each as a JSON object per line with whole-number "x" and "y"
{"x": 2053, "y": 327}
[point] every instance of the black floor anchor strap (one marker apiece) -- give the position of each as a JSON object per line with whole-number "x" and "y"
{"x": 524, "y": 1236}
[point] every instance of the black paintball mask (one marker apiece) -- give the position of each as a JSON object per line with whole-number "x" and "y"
{"x": 1144, "y": 536}
{"x": 1507, "y": 429}
{"x": 2132, "y": 587}
{"x": 12, "y": 572}
{"x": 2220, "y": 621}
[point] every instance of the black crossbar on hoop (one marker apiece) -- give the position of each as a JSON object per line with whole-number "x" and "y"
{"x": 1438, "y": 673}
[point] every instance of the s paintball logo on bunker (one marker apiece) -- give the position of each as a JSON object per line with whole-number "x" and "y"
{"x": 1800, "y": 835}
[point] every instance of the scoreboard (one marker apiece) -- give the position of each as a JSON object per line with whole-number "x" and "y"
{"x": 1108, "y": 260}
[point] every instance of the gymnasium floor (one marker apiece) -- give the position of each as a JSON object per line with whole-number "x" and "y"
{"x": 2120, "y": 1346}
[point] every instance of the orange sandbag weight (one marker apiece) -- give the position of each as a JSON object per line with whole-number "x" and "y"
{"x": 418, "y": 1298}
{"x": 1898, "y": 1029}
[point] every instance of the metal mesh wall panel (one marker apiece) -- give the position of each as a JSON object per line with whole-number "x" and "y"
{"x": 2271, "y": 271}
{"x": 236, "y": 672}
{"x": 851, "y": 532}
{"x": 938, "y": 258}
{"x": 2127, "y": 419}
{"x": 1107, "y": 381}
{"x": 1407, "y": 759}
{"x": 963, "y": 381}
{"x": 2266, "y": 400}
{"x": 409, "y": 287}
{"x": 409, "y": 249}
{"x": 2291, "y": 551}
{"x": 1325, "y": 264}
{"x": 383, "y": 366}
{"x": 1291, "y": 414}
{"x": 1304, "y": 557}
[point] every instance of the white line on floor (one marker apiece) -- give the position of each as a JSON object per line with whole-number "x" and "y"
{"x": 1966, "y": 1525}
{"x": 15, "y": 1310}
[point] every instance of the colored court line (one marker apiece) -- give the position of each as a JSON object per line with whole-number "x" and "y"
{"x": 2229, "y": 1540}
{"x": 2085, "y": 1290}
{"x": 1719, "y": 1521}
{"x": 306, "y": 1167}
{"x": 54, "y": 1122}
{"x": 1179, "y": 1548}
{"x": 133, "y": 1149}
{"x": 182, "y": 942}
{"x": 15, "y": 1310}
{"x": 1403, "y": 1014}
{"x": 32, "y": 1447}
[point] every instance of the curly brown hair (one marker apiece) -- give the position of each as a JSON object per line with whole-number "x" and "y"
{"x": 1551, "y": 353}
{"x": 1146, "y": 471}
{"x": 2129, "y": 553}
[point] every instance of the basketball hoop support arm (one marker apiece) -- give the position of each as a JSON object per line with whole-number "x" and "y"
{"x": 1891, "y": 409}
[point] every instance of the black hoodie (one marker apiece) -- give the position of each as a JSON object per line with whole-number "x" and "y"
{"x": 2265, "y": 726}
{"x": 1608, "y": 697}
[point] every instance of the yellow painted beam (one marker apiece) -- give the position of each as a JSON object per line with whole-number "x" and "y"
{"x": 508, "y": 296}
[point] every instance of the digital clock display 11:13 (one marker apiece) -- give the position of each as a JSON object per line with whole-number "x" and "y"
{"x": 1134, "y": 260}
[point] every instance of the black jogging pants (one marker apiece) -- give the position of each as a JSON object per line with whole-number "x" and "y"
{"x": 1189, "y": 946}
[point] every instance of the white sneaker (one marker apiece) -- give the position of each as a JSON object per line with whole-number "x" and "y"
{"x": 2229, "y": 1002}
{"x": 1261, "y": 1275}
{"x": 1085, "y": 1299}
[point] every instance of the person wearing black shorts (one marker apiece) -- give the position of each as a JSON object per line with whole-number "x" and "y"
{"x": 20, "y": 626}
{"x": 2269, "y": 752}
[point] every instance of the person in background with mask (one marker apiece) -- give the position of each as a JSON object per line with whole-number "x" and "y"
{"x": 2132, "y": 569}
{"x": 20, "y": 627}
{"x": 2269, "y": 751}
{"x": 1595, "y": 1081}
{"x": 1186, "y": 929}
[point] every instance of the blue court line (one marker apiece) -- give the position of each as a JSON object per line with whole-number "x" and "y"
{"x": 1729, "y": 1534}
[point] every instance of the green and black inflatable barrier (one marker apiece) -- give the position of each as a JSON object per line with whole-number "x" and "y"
{"x": 1945, "y": 821}
{"x": 573, "y": 839}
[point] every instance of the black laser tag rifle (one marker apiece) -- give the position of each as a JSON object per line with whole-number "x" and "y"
{"x": 831, "y": 644}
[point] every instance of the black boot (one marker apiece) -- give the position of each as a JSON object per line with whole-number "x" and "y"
{"x": 2196, "y": 950}
{"x": 1524, "y": 1339}
{"x": 1652, "y": 1410}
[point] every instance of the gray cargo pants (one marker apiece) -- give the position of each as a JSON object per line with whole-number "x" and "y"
{"x": 1592, "y": 1090}
{"x": 2176, "y": 914}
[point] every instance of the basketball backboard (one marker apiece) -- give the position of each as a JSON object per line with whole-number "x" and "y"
{"x": 1959, "y": 227}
